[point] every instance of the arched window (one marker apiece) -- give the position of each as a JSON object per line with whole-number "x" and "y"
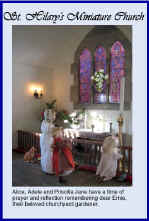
{"x": 116, "y": 71}
{"x": 100, "y": 63}
{"x": 111, "y": 88}
{"x": 85, "y": 77}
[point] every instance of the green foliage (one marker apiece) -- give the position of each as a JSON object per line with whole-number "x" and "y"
{"x": 51, "y": 105}
{"x": 98, "y": 78}
{"x": 79, "y": 114}
{"x": 63, "y": 115}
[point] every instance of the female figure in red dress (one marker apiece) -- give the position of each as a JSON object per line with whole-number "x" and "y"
{"x": 63, "y": 163}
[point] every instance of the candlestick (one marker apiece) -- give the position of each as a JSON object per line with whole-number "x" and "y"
{"x": 111, "y": 130}
{"x": 92, "y": 126}
{"x": 120, "y": 125}
{"x": 122, "y": 90}
{"x": 85, "y": 117}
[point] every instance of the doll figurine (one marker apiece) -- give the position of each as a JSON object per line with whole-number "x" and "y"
{"x": 107, "y": 167}
{"x": 30, "y": 155}
{"x": 46, "y": 140}
{"x": 63, "y": 163}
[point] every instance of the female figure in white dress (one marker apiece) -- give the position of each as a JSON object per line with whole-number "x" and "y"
{"x": 46, "y": 141}
{"x": 107, "y": 167}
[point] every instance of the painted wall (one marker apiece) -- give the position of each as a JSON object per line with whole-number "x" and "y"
{"x": 26, "y": 109}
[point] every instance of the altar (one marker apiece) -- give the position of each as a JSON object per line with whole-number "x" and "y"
{"x": 86, "y": 145}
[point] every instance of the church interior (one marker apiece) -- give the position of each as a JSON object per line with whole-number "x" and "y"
{"x": 84, "y": 75}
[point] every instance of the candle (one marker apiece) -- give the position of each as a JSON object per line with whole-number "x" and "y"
{"x": 122, "y": 89}
{"x": 85, "y": 120}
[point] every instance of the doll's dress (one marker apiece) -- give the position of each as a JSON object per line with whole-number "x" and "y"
{"x": 63, "y": 163}
{"x": 46, "y": 141}
{"x": 107, "y": 166}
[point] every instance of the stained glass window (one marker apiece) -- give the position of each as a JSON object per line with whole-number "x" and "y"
{"x": 100, "y": 63}
{"x": 116, "y": 71}
{"x": 85, "y": 76}
{"x": 112, "y": 90}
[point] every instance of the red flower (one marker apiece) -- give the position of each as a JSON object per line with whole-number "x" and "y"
{"x": 42, "y": 115}
{"x": 65, "y": 112}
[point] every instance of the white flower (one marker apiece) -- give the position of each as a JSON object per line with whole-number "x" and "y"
{"x": 92, "y": 77}
{"x": 100, "y": 84}
{"x": 101, "y": 70}
{"x": 73, "y": 114}
{"x": 106, "y": 76}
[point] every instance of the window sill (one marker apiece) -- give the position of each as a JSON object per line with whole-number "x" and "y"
{"x": 101, "y": 106}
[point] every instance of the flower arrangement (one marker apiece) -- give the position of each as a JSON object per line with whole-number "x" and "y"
{"x": 65, "y": 119}
{"x": 99, "y": 79}
{"x": 62, "y": 116}
{"x": 77, "y": 116}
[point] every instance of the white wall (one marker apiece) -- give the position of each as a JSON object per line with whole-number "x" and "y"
{"x": 26, "y": 109}
{"x": 62, "y": 81}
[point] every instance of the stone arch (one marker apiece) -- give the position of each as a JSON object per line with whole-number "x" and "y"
{"x": 105, "y": 35}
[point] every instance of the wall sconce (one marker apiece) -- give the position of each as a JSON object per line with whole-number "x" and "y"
{"x": 38, "y": 93}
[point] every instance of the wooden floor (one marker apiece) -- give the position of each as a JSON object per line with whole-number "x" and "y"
{"x": 30, "y": 174}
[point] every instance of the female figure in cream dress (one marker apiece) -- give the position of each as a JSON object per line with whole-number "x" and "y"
{"x": 107, "y": 167}
{"x": 46, "y": 140}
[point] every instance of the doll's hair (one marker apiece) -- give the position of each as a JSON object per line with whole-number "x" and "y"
{"x": 110, "y": 144}
{"x": 49, "y": 113}
{"x": 56, "y": 130}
